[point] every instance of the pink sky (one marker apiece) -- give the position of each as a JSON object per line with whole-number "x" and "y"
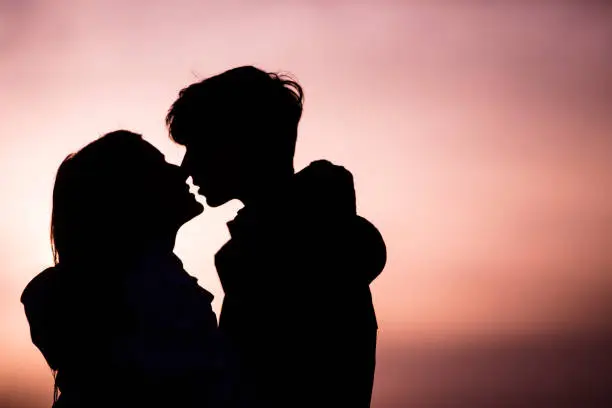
{"x": 479, "y": 138}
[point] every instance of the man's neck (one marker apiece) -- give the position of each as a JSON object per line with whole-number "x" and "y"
{"x": 269, "y": 189}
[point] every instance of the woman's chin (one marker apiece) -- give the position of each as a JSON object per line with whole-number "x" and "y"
{"x": 196, "y": 209}
{"x": 190, "y": 212}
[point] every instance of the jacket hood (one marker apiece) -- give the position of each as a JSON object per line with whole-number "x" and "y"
{"x": 326, "y": 189}
{"x": 327, "y": 192}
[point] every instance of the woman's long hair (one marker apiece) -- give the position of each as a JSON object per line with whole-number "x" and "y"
{"x": 96, "y": 203}
{"x": 97, "y": 212}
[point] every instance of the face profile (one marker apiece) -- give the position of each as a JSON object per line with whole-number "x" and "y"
{"x": 216, "y": 175}
{"x": 167, "y": 187}
{"x": 118, "y": 194}
{"x": 239, "y": 128}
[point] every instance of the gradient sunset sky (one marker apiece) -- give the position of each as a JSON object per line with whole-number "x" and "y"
{"x": 479, "y": 135}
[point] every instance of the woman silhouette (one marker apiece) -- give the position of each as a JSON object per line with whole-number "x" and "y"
{"x": 117, "y": 318}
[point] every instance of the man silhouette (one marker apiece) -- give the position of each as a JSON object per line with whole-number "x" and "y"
{"x": 297, "y": 269}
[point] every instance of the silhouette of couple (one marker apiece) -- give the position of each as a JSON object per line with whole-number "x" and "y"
{"x": 121, "y": 323}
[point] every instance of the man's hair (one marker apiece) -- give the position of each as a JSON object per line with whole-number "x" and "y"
{"x": 266, "y": 106}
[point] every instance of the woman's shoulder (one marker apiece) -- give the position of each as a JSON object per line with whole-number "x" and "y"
{"x": 164, "y": 288}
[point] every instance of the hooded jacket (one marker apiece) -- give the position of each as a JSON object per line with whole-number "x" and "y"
{"x": 297, "y": 307}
